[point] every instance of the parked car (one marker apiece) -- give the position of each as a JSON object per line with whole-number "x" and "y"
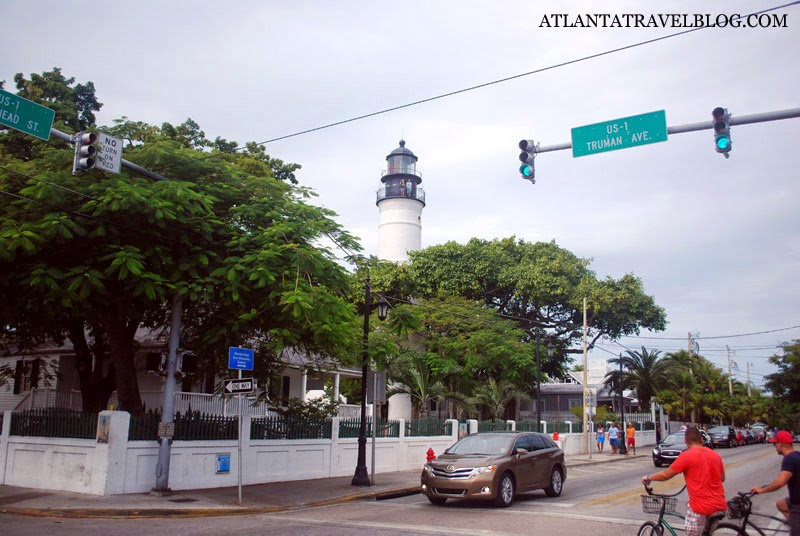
{"x": 723, "y": 436}
{"x": 495, "y": 466}
{"x": 740, "y": 438}
{"x": 759, "y": 434}
{"x": 707, "y": 439}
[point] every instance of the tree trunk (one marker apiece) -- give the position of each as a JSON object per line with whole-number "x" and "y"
{"x": 121, "y": 329}
{"x": 95, "y": 374}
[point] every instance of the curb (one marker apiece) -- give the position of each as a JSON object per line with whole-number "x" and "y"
{"x": 139, "y": 513}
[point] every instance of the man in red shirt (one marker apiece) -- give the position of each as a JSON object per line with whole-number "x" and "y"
{"x": 704, "y": 474}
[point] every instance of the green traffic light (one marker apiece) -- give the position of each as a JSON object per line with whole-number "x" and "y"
{"x": 526, "y": 170}
{"x": 723, "y": 142}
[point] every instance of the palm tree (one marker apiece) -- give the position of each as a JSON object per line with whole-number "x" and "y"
{"x": 494, "y": 396}
{"x": 411, "y": 375}
{"x": 644, "y": 372}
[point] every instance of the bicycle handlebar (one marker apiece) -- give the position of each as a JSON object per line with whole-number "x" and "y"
{"x": 649, "y": 491}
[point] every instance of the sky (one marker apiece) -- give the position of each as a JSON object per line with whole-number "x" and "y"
{"x": 714, "y": 241}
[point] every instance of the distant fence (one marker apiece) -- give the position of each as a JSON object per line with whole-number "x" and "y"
{"x": 54, "y": 422}
{"x": 193, "y": 426}
{"x": 290, "y": 427}
{"x": 211, "y": 404}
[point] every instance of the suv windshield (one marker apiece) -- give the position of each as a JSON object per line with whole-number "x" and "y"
{"x": 488, "y": 445}
{"x": 719, "y": 430}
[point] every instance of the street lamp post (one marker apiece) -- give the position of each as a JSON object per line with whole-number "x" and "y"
{"x": 538, "y": 389}
{"x": 549, "y": 360}
{"x": 623, "y": 448}
{"x": 361, "y": 476}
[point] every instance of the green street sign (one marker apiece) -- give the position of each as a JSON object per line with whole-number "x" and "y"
{"x": 25, "y": 116}
{"x": 619, "y": 134}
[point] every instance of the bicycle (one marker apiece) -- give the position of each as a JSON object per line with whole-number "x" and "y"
{"x": 666, "y": 505}
{"x": 740, "y": 508}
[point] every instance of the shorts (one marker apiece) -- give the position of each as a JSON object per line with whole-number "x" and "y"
{"x": 613, "y": 441}
{"x": 631, "y": 441}
{"x": 695, "y": 523}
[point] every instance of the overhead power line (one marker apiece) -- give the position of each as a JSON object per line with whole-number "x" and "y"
{"x": 476, "y": 87}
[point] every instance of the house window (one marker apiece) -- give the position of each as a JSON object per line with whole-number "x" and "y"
{"x": 574, "y": 402}
{"x": 26, "y": 375}
{"x": 285, "y": 390}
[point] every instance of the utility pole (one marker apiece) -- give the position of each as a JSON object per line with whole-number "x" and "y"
{"x": 730, "y": 377}
{"x": 749, "y": 390}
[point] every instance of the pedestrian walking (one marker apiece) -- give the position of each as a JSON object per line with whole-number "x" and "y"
{"x": 630, "y": 437}
{"x": 601, "y": 437}
{"x": 613, "y": 437}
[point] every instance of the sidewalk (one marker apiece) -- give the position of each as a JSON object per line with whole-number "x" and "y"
{"x": 259, "y": 498}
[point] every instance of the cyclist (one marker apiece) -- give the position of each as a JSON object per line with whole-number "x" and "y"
{"x": 788, "y": 475}
{"x": 704, "y": 474}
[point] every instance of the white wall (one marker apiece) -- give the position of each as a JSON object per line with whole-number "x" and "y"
{"x": 122, "y": 466}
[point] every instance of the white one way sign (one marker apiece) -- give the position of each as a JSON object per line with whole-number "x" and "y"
{"x": 242, "y": 385}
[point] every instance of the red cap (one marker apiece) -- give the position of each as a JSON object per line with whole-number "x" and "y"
{"x": 782, "y": 437}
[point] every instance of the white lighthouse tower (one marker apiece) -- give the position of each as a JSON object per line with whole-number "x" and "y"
{"x": 400, "y": 201}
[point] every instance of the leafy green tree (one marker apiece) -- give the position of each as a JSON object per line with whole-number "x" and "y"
{"x": 541, "y": 286}
{"x": 104, "y": 255}
{"x": 785, "y": 384}
{"x": 785, "y": 387}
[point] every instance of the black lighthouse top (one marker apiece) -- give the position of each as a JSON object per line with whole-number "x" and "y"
{"x": 401, "y": 179}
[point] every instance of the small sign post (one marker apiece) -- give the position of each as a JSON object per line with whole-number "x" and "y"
{"x": 240, "y": 359}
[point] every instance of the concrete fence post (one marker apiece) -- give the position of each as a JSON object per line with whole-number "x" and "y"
{"x": 111, "y": 451}
{"x": 5, "y": 432}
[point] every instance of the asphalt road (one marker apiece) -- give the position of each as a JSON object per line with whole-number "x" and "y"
{"x": 597, "y": 499}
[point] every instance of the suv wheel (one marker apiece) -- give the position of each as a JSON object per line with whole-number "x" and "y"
{"x": 732, "y": 443}
{"x": 556, "y": 483}
{"x": 505, "y": 491}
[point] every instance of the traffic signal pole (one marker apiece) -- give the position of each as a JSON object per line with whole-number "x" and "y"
{"x": 166, "y": 426}
{"x": 764, "y": 117}
{"x": 70, "y": 138}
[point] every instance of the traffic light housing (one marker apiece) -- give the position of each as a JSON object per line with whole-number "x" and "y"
{"x": 722, "y": 130}
{"x": 527, "y": 156}
{"x": 84, "y": 151}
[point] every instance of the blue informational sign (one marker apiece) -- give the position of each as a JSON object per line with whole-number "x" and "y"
{"x": 240, "y": 358}
{"x": 223, "y": 463}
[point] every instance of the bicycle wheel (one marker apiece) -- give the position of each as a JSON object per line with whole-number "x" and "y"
{"x": 730, "y": 529}
{"x": 752, "y": 529}
{"x": 649, "y": 528}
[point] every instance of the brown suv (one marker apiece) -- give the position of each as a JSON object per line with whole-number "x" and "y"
{"x": 495, "y": 466}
